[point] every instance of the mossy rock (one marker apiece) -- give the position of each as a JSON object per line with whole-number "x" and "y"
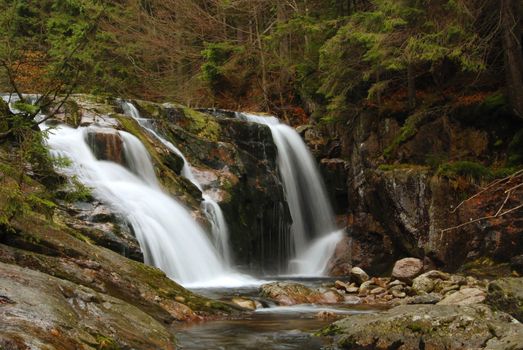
{"x": 413, "y": 327}
{"x": 506, "y": 294}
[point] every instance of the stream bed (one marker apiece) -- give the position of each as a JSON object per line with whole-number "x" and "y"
{"x": 272, "y": 327}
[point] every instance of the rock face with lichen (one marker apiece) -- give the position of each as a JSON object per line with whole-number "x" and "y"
{"x": 38, "y": 309}
{"x": 397, "y": 181}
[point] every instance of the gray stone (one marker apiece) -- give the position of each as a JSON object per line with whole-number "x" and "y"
{"x": 465, "y": 296}
{"x": 414, "y": 327}
{"x": 431, "y": 298}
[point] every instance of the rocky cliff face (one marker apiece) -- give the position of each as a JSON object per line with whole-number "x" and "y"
{"x": 404, "y": 177}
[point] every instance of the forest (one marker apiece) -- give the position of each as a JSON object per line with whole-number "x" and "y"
{"x": 321, "y": 59}
{"x": 246, "y": 174}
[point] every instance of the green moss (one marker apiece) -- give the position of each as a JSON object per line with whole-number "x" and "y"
{"x": 471, "y": 170}
{"x": 202, "y": 125}
{"x": 79, "y": 193}
{"x": 515, "y": 149}
{"x": 407, "y": 131}
{"x": 106, "y": 343}
{"x": 131, "y": 126}
{"x": 494, "y": 102}
{"x": 401, "y": 166}
{"x": 330, "y": 330}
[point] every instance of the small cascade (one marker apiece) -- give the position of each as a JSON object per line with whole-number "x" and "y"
{"x": 168, "y": 235}
{"x": 210, "y": 207}
{"x": 314, "y": 232}
{"x": 138, "y": 159}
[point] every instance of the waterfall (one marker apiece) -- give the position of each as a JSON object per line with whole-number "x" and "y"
{"x": 210, "y": 207}
{"x": 169, "y": 236}
{"x": 314, "y": 232}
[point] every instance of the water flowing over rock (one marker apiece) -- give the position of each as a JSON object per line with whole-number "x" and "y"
{"x": 314, "y": 233}
{"x": 210, "y": 207}
{"x": 168, "y": 235}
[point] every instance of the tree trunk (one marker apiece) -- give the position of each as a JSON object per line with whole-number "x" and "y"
{"x": 411, "y": 86}
{"x": 263, "y": 65}
{"x": 511, "y": 34}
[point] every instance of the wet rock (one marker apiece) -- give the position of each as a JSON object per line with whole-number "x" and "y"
{"x": 407, "y": 269}
{"x": 245, "y": 303}
{"x": 506, "y": 294}
{"x": 288, "y": 293}
{"x": 106, "y": 144}
{"x": 465, "y": 296}
{"x": 358, "y": 275}
{"x": 340, "y": 263}
{"x": 414, "y": 327}
{"x": 97, "y": 222}
{"x": 330, "y": 297}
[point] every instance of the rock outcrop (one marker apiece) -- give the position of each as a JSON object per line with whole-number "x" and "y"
{"x": 416, "y": 327}
{"x": 405, "y": 177}
{"x": 43, "y": 311}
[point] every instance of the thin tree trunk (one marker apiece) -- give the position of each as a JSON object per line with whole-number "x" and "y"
{"x": 511, "y": 32}
{"x": 411, "y": 86}
{"x": 262, "y": 60}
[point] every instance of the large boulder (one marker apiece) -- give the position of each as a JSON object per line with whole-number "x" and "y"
{"x": 407, "y": 269}
{"x": 506, "y": 294}
{"x": 38, "y": 309}
{"x": 414, "y": 327}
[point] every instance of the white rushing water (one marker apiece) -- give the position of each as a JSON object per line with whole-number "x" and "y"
{"x": 314, "y": 232}
{"x": 169, "y": 236}
{"x": 210, "y": 207}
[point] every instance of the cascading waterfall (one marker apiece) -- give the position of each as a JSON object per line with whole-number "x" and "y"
{"x": 168, "y": 235}
{"x": 314, "y": 232}
{"x": 210, "y": 207}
